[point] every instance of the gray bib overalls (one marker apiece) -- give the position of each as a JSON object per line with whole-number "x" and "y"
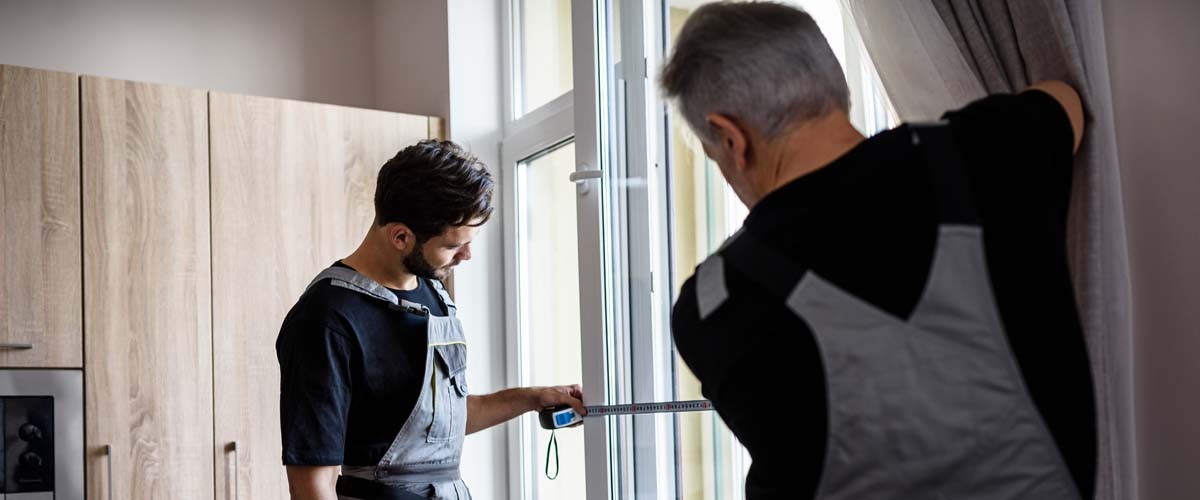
{"x": 928, "y": 407}
{"x": 423, "y": 459}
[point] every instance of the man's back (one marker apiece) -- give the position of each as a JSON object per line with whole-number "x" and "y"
{"x": 868, "y": 223}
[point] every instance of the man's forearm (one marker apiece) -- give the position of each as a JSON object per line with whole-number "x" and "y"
{"x": 496, "y": 408}
{"x": 312, "y": 482}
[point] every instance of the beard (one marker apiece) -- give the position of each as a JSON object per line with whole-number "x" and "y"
{"x": 416, "y": 263}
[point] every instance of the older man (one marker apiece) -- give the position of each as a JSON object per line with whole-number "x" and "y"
{"x": 908, "y": 292}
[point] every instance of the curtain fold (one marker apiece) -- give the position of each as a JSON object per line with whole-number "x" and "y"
{"x": 936, "y": 55}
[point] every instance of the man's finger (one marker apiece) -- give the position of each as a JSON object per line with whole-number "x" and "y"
{"x": 574, "y": 398}
{"x": 577, "y": 404}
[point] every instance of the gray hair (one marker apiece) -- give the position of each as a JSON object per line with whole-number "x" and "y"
{"x": 765, "y": 63}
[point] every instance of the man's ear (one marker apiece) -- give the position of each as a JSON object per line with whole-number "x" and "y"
{"x": 733, "y": 140}
{"x": 400, "y": 235}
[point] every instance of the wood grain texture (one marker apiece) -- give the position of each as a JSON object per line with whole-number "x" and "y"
{"x": 292, "y": 190}
{"x": 147, "y": 297}
{"x": 40, "y": 293}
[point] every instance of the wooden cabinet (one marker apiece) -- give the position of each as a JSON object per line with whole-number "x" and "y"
{"x": 181, "y": 267}
{"x": 147, "y": 296}
{"x": 40, "y": 290}
{"x": 292, "y": 191}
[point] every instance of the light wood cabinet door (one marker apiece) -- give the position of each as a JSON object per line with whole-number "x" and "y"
{"x": 292, "y": 192}
{"x": 40, "y": 291}
{"x": 147, "y": 295}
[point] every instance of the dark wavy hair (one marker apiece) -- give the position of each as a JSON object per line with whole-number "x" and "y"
{"x": 432, "y": 186}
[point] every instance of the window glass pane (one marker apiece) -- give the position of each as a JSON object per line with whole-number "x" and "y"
{"x": 545, "y": 52}
{"x": 549, "y": 310}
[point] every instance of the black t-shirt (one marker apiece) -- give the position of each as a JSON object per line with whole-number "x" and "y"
{"x": 867, "y": 222}
{"x": 351, "y": 371}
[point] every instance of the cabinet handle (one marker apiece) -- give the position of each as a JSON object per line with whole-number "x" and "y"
{"x": 12, "y": 346}
{"x": 108, "y": 453}
{"x": 236, "y": 469}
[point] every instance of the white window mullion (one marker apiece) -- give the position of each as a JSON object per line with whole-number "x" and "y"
{"x": 654, "y": 468}
{"x": 590, "y": 58}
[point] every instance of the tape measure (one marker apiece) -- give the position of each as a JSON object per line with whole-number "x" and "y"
{"x": 564, "y": 416}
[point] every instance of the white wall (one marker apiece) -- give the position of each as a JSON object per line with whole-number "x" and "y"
{"x": 1153, "y": 48}
{"x": 314, "y": 50}
{"x": 476, "y": 122}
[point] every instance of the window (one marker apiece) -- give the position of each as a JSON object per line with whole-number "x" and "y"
{"x": 593, "y": 266}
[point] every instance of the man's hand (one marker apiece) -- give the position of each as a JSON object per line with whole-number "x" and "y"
{"x": 572, "y": 395}
{"x": 313, "y": 482}
{"x": 486, "y": 411}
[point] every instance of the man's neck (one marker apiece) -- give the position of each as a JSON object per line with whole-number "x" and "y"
{"x": 378, "y": 262}
{"x": 806, "y": 149}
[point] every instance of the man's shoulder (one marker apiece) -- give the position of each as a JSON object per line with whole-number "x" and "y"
{"x": 714, "y": 335}
{"x": 1029, "y": 116}
{"x": 326, "y": 297}
{"x": 684, "y": 315}
{"x": 324, "y": 306}
{"x": 713, "y": 296}
{"x": 689, "y": 320}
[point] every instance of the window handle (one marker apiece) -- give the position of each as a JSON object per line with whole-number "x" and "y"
{"x": 584, "y": 174}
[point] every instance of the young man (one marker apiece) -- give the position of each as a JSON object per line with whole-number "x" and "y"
{"x": 373, "y": 357}
{"x": 908, "y": 293}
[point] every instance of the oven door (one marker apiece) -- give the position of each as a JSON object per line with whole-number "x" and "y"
{"x": 41, "y": 416}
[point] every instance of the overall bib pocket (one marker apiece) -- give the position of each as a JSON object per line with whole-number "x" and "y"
{"x": 450, "y": 393}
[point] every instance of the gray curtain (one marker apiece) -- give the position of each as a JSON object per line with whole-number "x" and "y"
{"x": 935, "y": 55}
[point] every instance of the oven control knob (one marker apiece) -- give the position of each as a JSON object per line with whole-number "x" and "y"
{"x": 31, "y": 460}
{"x": 30, "y": 432}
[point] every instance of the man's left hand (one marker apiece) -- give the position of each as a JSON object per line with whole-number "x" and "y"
{"x": 492, "y": 409}
{"x": 546, "y": 397}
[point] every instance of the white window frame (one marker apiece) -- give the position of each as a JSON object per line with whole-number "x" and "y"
{"x": 636, "y": 341}
{"x": 527, "y": 134}
{"x": 538, "y": 132}
{"x": 592, "y": 119}
{"x": 586, "y": 116}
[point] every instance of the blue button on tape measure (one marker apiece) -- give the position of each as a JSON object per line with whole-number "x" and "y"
{"x": 564, "y": 416}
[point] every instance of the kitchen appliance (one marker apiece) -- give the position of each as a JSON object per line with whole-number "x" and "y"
{"x": 41, "y": 450}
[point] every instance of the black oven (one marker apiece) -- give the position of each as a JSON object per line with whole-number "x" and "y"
{"x": 41, "y": 416}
